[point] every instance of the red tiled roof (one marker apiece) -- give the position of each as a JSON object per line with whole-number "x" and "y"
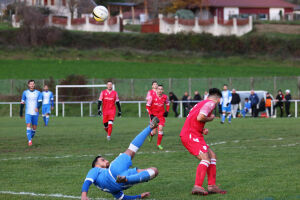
{"x": 248, "y": 3}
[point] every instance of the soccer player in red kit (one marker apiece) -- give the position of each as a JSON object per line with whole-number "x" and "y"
{"x": 108, "y": 98}
{"x": 151, "y": 95}
{"x": 192, "y": 139}
{"x": 156, "y": 108}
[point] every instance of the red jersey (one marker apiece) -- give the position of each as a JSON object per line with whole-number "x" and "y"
{"x": 192, "y": 125}
{"x": 151, "y": 94}
{"x": 108, "y": 101}
{"x": 156, "y": 105}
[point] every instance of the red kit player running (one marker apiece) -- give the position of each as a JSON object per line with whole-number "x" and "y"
{"x": 192, "y": 139}
{"x": 108, "y": 98}
{"x": 156, "y": 108}
{"x": 151, "y": 95}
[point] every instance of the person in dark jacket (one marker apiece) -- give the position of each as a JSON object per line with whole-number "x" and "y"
{"x": 254, "y": 101}
{"x": 288, "y": 97}
{"x": 279, "y": 102}
{"x": 197, "y": 97}
{"x": 173, "y": 98}
{"x": 235, "y": 101}
{"x": 185, "y": 104}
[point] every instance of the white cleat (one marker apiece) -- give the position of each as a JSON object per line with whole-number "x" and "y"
{"x": 108, "y": 138}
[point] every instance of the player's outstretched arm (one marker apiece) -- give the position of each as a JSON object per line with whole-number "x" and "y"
{"x": 202, "y": 118}
{"x": 85, "y": 189}
{"x": 121, "y": 195}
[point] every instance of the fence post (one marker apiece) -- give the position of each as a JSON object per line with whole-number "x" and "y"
{"x": 274, "y": 84}
{"x": 81, "y": 109}
{"x": 11, "y": 86}
{"x": 10, "y": 110}
{"x": 252, "y": 83}
{"x": 43, "y": 82}
{"x": 93, "y": 89}
{"x": 230, "y": 81}
{"x": 140, "y": 110}
{"x": 181, "y": 109}
{"x": 170, "y": 84}
{"x": 299, "y": 86}
{"x": 209, "y": 83}
{"x": 132, "y": 87}
{"x": 90, "y": 107}
{"x": 296, "y": 109}
{"x": 190, "y": 86}
{"x": 63, "y": 109}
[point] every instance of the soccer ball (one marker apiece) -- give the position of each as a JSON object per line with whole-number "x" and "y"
{"x": 100, "y": 13}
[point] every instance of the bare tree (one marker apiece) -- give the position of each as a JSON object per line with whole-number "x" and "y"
{"x": 73, "y": 6}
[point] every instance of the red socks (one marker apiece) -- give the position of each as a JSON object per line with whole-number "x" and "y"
{"x": 159, "y": 137}
{"x": 201, "y": 172}
{"x": 211, "y": 172}
{"x": 109, "y": 129}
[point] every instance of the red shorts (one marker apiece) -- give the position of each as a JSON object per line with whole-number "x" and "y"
{"x": 107, "y": 118}
{"x": 162, "y": 120}
{"x": 195, "y": 145}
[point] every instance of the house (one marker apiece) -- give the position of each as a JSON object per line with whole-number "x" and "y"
{"x": 259, "y": 9}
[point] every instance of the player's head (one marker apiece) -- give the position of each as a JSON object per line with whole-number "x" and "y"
{"x": 225, "y": 87}
{"x": 233, "y": 91}
{"x": 154, "y": 85}
{"x": 186, "y": 94}
{"x": 246, "y": 99}
{"x": 99, "y": 161}
{"x": 31, "y": 84}
{"x": 215, "y": 93}
{"x": 46, "y": 88}
{"x": 196, "y": 92}
{"x": 160, "y": 90}
{"x": 268, "y": 94}
{"x": 252, "y": 92}
{"x": 287, "y": 91}
{"x": 109, "y": 85}
{"x": 279, "y": 92}
{"x": 171, "y": 94}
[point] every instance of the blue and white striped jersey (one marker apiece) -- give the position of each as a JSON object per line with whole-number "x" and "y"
{"x": 226, "y": 98}
{"x": 47, "y": 97}
{"x": 31, "y": 99}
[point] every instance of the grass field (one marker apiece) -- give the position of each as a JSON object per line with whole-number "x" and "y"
{"x": 257, "y": 158}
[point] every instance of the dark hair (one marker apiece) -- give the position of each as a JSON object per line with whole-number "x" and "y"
{"x": 30, "y": 81}
{"x": 246, "y": 99}
{"x": 154, "y": 82}
{"x": 160, "y": 85}
{"x": 109, "y": 82}
{"x": 215, "y": 91}
{"x": 95, "y": 160}
{"x": 225, "y": 85}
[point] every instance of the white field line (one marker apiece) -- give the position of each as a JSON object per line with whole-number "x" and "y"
{"x": 153, "y": 152}
{"x": 45, "y": 195}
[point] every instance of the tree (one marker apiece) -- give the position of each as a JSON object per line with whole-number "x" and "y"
{"x": 73, "y": 5}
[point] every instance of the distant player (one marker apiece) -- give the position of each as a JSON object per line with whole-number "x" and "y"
{"x": 151, "y": 95}
{"x": 156, "y": 108}
{"x": 48, "y": 104}
{"x": 33, "y": 100}
{"x": 108, "y": 98}
{"x": 226, "y": 104}
{"x": 192, "y": 139}
{"x": 118, "y": 176}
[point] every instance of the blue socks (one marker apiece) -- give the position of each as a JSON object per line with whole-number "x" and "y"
{"x": 138, "y": 141}
{"x": 139, "y": 177}
{"x": 44, "y": 118}
{"x": 32, "y": 133}
{"x": 47, "y": 120}
{"x": 229, "y": 118}
{"x": 28, "y": 132}
{"x": 223, "y": 117}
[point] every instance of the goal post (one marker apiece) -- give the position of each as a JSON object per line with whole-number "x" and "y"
{"x": 74, "y": 86}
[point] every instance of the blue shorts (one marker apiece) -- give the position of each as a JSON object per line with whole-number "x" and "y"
{"x": 46, "y": 109}
{"x": 226, "y": 109}
{"x": 31, "y": 119}
{"x": 121, "y": 166}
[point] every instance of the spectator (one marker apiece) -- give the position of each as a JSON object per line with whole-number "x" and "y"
{"x": 254, "y": 101}
{"x": 197, "y": 97}
{"x": 205, "y": 95}
{"x": 268, "y": 104}
{"x": 185, "y": 104}
{"x": 279, "y": 102}
{"x": 190, "y": 103}
{"x": 235, "y": 101}
{"x": 173, "y": 98}
{"x": 247, "y": 107}
{"x": 288, "y": 97}
{"x": 262, "y": 105}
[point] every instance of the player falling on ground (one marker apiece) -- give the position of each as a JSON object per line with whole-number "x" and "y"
{"x": 192, "y": 138}
{"x": 32, "y": 98}
{"x": 118, "y": 176}
{"x": 108, "y": 98}
{"x": 226, "y": 104}
{"x": 151, "y": 95}
{"x": 156, "y": 108}
{"x": 48, "y": 104}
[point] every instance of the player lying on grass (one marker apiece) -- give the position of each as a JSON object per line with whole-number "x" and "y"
{"x": 192, "y": 139}
{"x": 118, "y": 176}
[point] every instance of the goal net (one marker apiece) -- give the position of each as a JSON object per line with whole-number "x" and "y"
{"x": 77, "y": 93}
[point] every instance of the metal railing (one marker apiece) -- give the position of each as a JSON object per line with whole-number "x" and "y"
{"x": 139, "y": 105}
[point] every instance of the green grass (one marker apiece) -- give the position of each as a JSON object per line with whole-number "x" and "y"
{"x": 5, "y": 26}
{"x": 203, "y": 67}
{"x": 260, "y": 159}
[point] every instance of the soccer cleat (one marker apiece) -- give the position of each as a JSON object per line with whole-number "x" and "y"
{"x": 150, "y": 137}
{"x": 30, "y": 143}
{"x": 160, "y": 147}
{"x": 154, "y": 123}
{"x": 121, "y": 179}
{"x": 108, "y": 138}
{"x": 213, "y": 189}
{"x": 198, "y": 190}
{"x": 221, "y": 122}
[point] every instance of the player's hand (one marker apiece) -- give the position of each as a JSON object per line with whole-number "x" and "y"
{"x": 119, "y": 114}
{"x": 100, "y": 113}
{"x": 205, "y": 131}
{"x": 227, "y": 104}
{"x": 84, "y": 196}
{"x": 152, "y": 116}
{"x": 36, "y": 110}
{"x": 166, "y": 114}
{"x": 212, "y": 116}
{"x": 145, "y": 195}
